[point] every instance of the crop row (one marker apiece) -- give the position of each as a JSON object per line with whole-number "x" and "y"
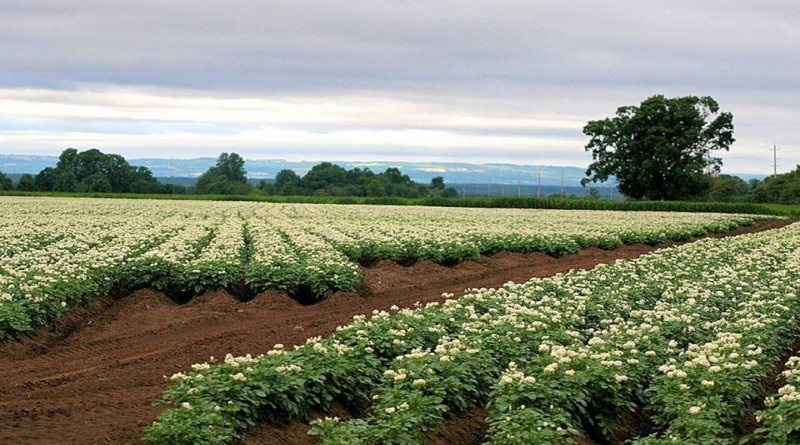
{"x": 56, "y": 254}
{"x": 685, "y": 335}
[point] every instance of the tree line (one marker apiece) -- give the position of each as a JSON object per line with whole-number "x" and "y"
{"x": 327, "y": 179}
{"x": 93, "y": 171}
{"x": 89, "y": 171}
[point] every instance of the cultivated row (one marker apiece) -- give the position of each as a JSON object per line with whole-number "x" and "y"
{"x": 685, "y": 336}
{"x": 56, "y": 254}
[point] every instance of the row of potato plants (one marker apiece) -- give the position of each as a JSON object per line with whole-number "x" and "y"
{"x": 780, "y": 418}
{"x": 701, "y": 366}
{"x": 685, "y": 335}
{"x": 75, "y": 265}
{"x": 56, "y": 254}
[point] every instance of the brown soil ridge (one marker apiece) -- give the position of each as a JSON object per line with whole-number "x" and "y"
{"x": 94, "y": 379}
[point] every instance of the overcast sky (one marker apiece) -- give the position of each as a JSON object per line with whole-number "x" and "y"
{"x": 472, "y": 81}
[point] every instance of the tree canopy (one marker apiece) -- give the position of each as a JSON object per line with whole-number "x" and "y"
{"x": 779, "y": 189}
{"x": 727, "y": 188}
{"x": 94, "y": 171}
{"x": 26, "y": 183}
{"x": 5, "y": 182}
{"x": 97, "y": 172}
{"x": 333, "y": 180}
{"x": 227, "y": 177}
{"x": 662, "y": 149}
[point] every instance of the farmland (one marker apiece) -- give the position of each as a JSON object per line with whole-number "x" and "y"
{"x": 58, "y": 255}
{"x": 64, "y": 257}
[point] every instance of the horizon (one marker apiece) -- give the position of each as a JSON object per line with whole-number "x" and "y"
{"x": 362, "y": 163}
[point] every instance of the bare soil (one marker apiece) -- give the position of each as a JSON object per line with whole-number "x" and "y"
{"x": 93, "y": 379}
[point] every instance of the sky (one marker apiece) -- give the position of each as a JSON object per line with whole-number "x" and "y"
{"x": 442, "y": 81}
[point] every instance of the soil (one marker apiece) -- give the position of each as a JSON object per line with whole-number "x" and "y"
{"x": 93, "y": 379}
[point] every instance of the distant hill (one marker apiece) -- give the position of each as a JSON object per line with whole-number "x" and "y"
{"x": 505, "y": 178}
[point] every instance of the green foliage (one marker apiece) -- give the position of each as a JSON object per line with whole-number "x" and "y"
{"x": 66, "y": 182}
{"x": 96, "y": 183}
{"x": 26, "y": 183}
{"x": 327, "y": 179}
{"x": 660, "y": 150}
{"x": 45, "y": 181}
{"x": 5, "y": 182}
{"x": 93, "y": 171}
{"x": 275, "y": 387}
{"x": 727, "y": 188}
{"x": 780, "y": 189}
{"x": 227, "y": 177}
{"x": 14, "y": 321}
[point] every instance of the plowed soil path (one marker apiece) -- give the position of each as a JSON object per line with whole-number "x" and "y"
{"x": 93, "y": 380}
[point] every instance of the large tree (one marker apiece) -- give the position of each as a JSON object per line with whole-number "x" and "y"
{"x": 227, "y": 177}
{"x": 662, "y": 149}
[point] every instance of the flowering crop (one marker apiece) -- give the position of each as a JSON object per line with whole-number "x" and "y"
{"x": 56, "y": 254}
{"x": 686, "y": 333}
{"x": 781, "y": 417}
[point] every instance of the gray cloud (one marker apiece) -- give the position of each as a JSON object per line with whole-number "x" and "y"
{"x": 456, "y": 45}
{"x": 579, "y": 59}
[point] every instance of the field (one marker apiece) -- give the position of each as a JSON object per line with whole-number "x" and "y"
{"x": 132, "y": 290}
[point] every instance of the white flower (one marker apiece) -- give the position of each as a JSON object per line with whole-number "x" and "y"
{"x": 178, "y": 376}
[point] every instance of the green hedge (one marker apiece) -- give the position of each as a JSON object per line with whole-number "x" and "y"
{"x": 499, "y": 202}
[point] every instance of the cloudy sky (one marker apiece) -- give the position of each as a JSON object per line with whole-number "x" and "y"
{"x": 473, "y": 81}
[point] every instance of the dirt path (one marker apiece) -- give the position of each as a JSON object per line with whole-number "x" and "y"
{"x": 93, "y": 381}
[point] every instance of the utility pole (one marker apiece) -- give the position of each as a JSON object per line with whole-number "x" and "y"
{"x": 774, "y": 160}
{"x": 519, "y": 178}
{"x": 562, "y": 182}
{"x": 539, "y": 187}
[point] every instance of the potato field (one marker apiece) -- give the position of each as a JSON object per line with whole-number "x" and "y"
{"x": 692, "y": 343}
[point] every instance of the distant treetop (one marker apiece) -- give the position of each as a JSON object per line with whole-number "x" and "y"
{"x": 329, "y": 179}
